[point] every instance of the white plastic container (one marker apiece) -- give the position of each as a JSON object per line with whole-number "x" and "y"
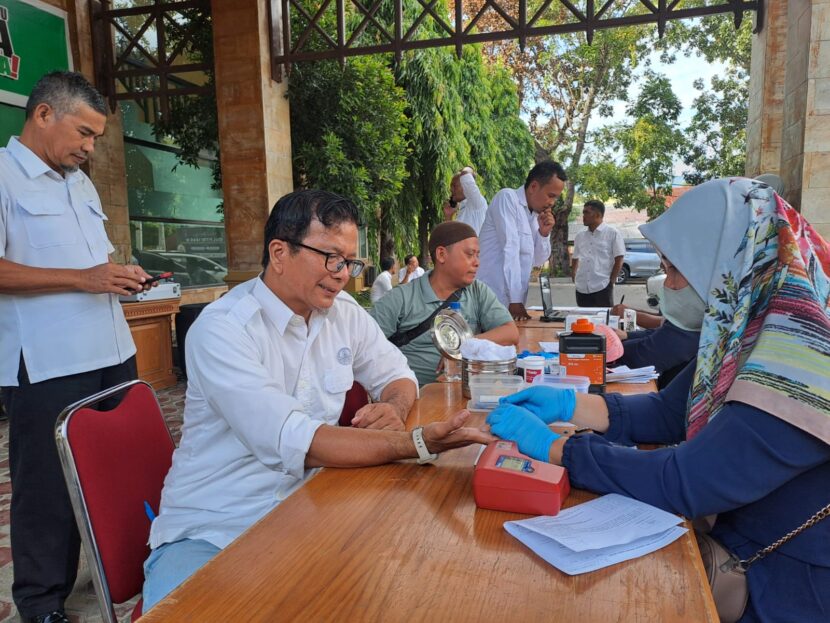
{"x": 486, "y": 390}
{"x": 533, "y": 367}
{"x": 578, "y": 383}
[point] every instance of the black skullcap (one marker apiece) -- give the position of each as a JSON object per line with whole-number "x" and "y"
{"x": 449, "y": 233}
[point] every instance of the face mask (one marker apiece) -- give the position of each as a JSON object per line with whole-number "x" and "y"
{"x": 683, "y": 308}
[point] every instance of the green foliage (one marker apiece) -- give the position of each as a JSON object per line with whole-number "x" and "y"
{"x": 343, "y": 145}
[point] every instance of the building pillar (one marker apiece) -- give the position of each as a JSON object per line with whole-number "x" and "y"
{"x": 254, "y": 130}
{"x": 788, "y": 130}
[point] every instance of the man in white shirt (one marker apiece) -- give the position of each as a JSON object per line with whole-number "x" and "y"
{"x": 410, "y": 270}
{"x": 466, "y": 203}
{"x": 597, "y": 258}
{"x": 515, "y": 234}
{"x": 383, "y": 282}
{"x": 269, "y": 365}
{"x": 63, "y": 336}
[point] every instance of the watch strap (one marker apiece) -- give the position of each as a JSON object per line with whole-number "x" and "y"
{"x": 424, "y": 455}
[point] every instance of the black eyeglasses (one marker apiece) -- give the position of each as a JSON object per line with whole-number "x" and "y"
{"x": 334, "y": 261}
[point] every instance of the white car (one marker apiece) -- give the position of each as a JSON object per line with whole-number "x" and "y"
{"x": 654, "y": 289}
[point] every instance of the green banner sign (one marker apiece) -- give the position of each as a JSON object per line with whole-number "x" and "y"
{"x": 34, "y": 40}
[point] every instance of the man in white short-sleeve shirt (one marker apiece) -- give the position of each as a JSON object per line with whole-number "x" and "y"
{"x": 63, "y": 336}
{"x": 269, "y": 365}
{"x": 597, "y": 258}
{"x": 383, "y": 282}
{"x": 515, "y": 235}
{"x": 466, "y": 203}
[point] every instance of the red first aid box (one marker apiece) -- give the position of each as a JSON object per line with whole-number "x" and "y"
{"x": 507, "y": 480}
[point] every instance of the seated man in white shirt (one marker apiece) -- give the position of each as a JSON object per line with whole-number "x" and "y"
{"x": 466, "y": 203}
{"x": 383, "y": 282}
{"x": 269, "y": 365}
{"x": 515, "y": 236}
{"x": 410, "y": 270}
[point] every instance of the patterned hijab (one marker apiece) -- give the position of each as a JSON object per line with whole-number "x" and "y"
{"x": 763, "y": 272}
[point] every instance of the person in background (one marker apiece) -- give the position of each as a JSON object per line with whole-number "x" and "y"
{"x": 750, "y": 417}
{"x": 597, "y": 258}
{"x": 466, "y": 203}
{"x": 454, "y": 250}
{"x": 515, "y": 234}
{"x": 269, "y": 365}
{"x": 383, "y": 282}
{"x": 63, "y": 336}
{"x": 410, "y": 270}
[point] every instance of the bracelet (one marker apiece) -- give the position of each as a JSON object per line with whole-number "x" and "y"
{"x": 424, "y": 455}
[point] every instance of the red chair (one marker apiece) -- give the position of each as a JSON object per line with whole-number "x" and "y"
{"x": 114, "y": 461}
{"x": 356, "y": 397}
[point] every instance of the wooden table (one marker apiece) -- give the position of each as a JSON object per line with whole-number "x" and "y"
{"x": 535, "y": 322}
{"x": 405, "y": 542}
{"x": 151, "y": 325}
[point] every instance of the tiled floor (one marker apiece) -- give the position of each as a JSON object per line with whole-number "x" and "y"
{"x": 82, "y": 606}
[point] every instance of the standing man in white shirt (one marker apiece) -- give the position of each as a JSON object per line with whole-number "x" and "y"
{"x": 466, "y": 203}
{"x": 410, "y": 270}
{"x": 269, "y": 365}
{"x": 515, "y": 234}
{"x": 63, "y": 336}
{"x": 383, "y": 282}
{"x": 597, "y": 258}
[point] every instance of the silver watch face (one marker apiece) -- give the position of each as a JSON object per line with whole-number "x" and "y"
{"x": 449, "y": 331}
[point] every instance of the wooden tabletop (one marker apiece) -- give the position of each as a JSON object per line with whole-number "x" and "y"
{"x": 405, "y": 542}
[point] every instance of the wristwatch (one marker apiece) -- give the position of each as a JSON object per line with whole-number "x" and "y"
{"x": 424, "y": 455}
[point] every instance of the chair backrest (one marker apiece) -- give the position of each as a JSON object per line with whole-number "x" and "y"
{"x": 356, "y": 397}
{"x": 113, "y": 462}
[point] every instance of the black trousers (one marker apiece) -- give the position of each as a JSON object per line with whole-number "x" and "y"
{"x": 603, "y": 298}
{"x": 44, "y": 537}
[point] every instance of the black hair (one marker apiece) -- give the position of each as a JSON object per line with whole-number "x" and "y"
{"x": 407, "y": 258}
{"x": 292, "y": 214}
{"x": 544, "y": 171}
{"x": 386, "y": 263}
{"x": 63, "y": 91}
{"x": 596, "y": 204}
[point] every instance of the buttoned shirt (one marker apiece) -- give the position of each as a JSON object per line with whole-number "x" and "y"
{"x": 52, "y": 221}
{"x": 381, "y": 285}
{"x": 418, "y": 272}
{"x": 409, "y": 305}
{"x": 473, "y": 208}
{"x": 260, "y": 383}
{"x": 596, "y": 251}
{"x": 511, "y": 245}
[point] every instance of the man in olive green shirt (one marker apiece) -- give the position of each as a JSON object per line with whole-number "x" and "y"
{"x": 453, "y": 247}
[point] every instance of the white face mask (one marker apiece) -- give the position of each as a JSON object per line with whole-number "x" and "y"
{"x": 683, "y": 308}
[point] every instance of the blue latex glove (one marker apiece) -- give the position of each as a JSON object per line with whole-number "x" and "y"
{"x": 549, "y": 404}
{"x": 520, "y": 425}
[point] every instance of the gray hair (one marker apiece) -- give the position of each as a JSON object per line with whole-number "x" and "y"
{"x": 64, "y": 91}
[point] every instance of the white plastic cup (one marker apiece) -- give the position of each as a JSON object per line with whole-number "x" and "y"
{"x": 630, "y": 320}
{"x": 533, "y": 366}
{"x": 614, "y": 322}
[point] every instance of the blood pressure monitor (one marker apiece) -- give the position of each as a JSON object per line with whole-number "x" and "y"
{"x": 507, "y": 480}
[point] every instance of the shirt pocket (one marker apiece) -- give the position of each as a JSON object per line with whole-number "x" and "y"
{"x": 338, "y": 380}
{"x": 96, "y": 222}
{"x": 46, "y": 221}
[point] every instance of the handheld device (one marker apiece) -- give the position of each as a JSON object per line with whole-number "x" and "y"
{"x": 507, "y": 480}
{"x": 166, "y": 275}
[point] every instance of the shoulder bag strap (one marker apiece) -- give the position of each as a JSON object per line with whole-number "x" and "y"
{"x": 402, "y": 338}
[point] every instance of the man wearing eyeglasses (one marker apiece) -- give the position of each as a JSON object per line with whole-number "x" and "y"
{"x": 269, "y": 365}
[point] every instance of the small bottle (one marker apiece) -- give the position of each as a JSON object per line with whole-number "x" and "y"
{"x": 533, "y": 366}
{"x": 582, "y": 353}
{"x": 452, "y": 367}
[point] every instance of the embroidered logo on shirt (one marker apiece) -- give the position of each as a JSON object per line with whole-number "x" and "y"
{"x": 344, "y": 356}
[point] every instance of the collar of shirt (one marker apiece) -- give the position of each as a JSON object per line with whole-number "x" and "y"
{"x": 427, "y": 293}
{"x": 522, "y": 197}
{"x": 32, "y": 165}
{"x": 600, "y": 228}
{"x": 281, "y": 315}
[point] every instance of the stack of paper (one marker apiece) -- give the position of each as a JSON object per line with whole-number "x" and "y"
{"x": 598, "y": 533}
{"x": 624, "y": 374}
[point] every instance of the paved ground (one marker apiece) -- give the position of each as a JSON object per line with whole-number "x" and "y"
{"x": 82, "y": 606}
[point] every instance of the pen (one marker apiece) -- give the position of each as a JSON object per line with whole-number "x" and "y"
{"x": 622, "y": 298}
{"x": 149, "y": 511}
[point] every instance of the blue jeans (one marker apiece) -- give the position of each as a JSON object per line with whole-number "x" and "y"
{"x": 171, "y": 564}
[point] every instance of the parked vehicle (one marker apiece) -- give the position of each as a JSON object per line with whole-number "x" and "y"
{"x": 640, "y": 260}
{"x": 155, "y": 263}
{"x": 202, "y": 270}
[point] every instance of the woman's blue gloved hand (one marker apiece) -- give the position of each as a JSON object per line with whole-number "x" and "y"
{"x": 520, "y": 425}
{"x": 549, "y": 404}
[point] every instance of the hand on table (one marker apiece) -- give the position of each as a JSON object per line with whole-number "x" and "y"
{"x": 451, "y": 433}
{"x": 379, "y": 416}
{"x": 517, "y": 424}
{"x": 518, "y": 311}
{"x": 549, "y": 404}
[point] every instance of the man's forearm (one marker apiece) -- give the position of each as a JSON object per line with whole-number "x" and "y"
{"x": 618, "y": 261}
{"x": 401, "y": 395}
{"x": 18, "y": 278}
{"x": 505, "y": 334}
{"x": 334, "y": 446}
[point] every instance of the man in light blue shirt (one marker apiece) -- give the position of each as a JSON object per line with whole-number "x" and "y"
{"x": 63, "y": 336}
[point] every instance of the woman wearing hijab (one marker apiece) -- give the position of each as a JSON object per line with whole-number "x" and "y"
{"x": 753, "y": 409}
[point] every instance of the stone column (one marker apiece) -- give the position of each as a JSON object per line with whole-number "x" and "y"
{"x": 254, "y": 130}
